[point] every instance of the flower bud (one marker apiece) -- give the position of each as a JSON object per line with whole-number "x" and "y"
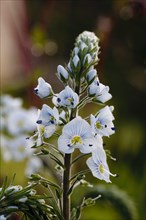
{"x": 75, "y": 51}
{"x": 12, "y": 189}
{"x": 91, "y": 76}
{"x": 76, "y": 60}
{"x": 87, "y": 59}
{"x": 83, "y": 46}
{"x": 62, "y": 73}
{"x": 23, "y": 199}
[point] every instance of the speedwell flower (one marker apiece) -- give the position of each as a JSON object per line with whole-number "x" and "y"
{"x": 43, "y": 88}
{"x": 66, "y": 98}
{"x": 99, "y": 91}
{"x": 48, "y": 116}
{"x": 98, "y": 165}
{"x": 77, "y": 134}
{"x": 102, "y": 123}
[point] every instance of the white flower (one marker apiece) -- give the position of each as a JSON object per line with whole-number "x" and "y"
{"x": 90, "y": 76}
{"x": 76, "y": 60}
{"x": 62, "y": 73}
{"x": 77, "y": 134}
{"x": 20, "y": 120}
{"x": 5, "y": 151}
{"x": 33, "y": 166}
{"x": 99, "y": 91}
{"x": 18, "y": 149}
{"x": 45, "y": 131}
{"x": 102, "y": 123}
{"x": 43, "y": 88}
{"x": 66, "y": 98}
{"x": 8, "y": 102}
{"x": 48, "y": 116}
{"x": 98, "y": 165}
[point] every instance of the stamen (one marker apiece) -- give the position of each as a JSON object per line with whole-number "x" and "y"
{"x": 58, "y": 100}
{"x": 114, "y": 175}
{"x": 36, "y": 91}
{"x": 112, "y": 158}
{"x": 113, "y": 128}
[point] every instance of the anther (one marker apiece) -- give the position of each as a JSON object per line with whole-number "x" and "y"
{"x": 39, "y": 121}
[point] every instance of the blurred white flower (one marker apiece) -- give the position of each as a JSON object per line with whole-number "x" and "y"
{"x": 33, "y": 166}
{"x": 18, "y": 149}
{"x": 9, "y": 104}
{"x": 21, "y": 121}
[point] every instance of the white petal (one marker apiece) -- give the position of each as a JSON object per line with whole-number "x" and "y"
{"x": 78, "y": 126}
{"x": 49, "y": 131}
{"x": 99, "y": 155}
{"x": 88, "y": 145}
{"x": 105, "y": 113}
{"x": 63, "y": 142}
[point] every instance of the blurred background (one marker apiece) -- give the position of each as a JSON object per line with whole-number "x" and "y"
{"x": 36, "y": 36}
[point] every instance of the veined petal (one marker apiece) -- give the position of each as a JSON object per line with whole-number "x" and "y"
{"x": 94, "y": 167}
{"x": 63, "y": 145}
{"x": 49, "y": 131}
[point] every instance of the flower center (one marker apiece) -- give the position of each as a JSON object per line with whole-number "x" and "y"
{"x": 98, "y": 125}
{"x": 70, "y": 100}
{"x": 101, "y": 168}
{"x": 52, "y": 119}
{"x": 76, "y": 140}
{"x": 42, "y": 129}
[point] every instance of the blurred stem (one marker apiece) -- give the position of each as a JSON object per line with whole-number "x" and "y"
{"x": 67, "y": 170}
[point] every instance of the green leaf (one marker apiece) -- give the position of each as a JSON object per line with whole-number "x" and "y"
{"x": 3, "y": 187}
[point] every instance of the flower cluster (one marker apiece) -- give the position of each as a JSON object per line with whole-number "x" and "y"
{"x": 16, "y": 124}
{"x": 81, "y": 86}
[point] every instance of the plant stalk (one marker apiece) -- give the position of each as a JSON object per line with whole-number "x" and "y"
{"x": 67, "y": 171}
{"x": 66, "y": 185}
